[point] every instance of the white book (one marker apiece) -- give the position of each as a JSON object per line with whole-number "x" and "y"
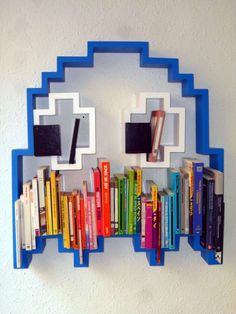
{"x": 27, "y": 215}
{"x": 36, "y": 205}
{"x": 33, "y": 239}
{"x": 18, "y": 232}
{"x": 22, "y": 222}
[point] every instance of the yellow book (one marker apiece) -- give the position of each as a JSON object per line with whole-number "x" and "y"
{"x": 54, "y": 202}
{"x": 65, "y": 220}
{"x": 48, "y": 207}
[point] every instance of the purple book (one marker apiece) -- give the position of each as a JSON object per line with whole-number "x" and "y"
{"x": 148, "y": 227}
{"x": 197, "y": 196}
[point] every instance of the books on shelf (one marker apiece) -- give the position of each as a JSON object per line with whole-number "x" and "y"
{"x": 192, "y": 204}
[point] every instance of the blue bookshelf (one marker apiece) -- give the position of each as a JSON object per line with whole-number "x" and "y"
{"x": 216, "y": 155}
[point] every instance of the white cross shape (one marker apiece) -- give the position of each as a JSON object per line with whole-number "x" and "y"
{"x": 140, "y": 107}
{"x": 91, "y": 149}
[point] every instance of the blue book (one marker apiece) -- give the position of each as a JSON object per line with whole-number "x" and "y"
{"x": 174, "y": 185}
{"x": 171, "y": 218}
{"x": 196, "y": 166}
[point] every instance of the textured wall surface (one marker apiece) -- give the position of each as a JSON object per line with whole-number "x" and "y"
{"x": 202, "y": 34}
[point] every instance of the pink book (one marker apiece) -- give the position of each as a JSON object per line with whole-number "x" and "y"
{"x": 143, "y": 220}
{"x": 90, "y": 223}
{"x": 94, "y": 220}
{"x": 148, "y": 227}
{"x": 157, "y": 123}
{"x": 98, "y": 199}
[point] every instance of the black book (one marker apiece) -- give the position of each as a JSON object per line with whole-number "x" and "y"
{"x": 138, "y": 138}
{"x": 74, "y": 141}
{"x": 47, "y": 140}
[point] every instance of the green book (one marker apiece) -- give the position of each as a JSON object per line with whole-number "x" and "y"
{"x": 121, "y": 203}
{"x": 130, "y": 174}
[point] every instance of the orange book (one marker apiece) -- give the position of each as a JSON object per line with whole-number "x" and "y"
{"x": 74, "y": 219}
{"x": 83, "y": 222}
{"x": 104, "y": 166}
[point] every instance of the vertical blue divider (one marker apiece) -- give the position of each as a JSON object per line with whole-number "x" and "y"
{"x": 202, "y": 138}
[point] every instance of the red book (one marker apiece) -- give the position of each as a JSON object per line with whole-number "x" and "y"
{"x": 83, "y": 222}
{"x": 159, "y": 232}
{"x": 98, "y": 198}
{"x": 79, "y": 227}
{"x": 104, "y": 166}
{"x": 157, "y": 123}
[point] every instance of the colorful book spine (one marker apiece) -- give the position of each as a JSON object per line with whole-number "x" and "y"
{"x": 83, "y": 222}
{"x": 166, "y": 232}
{"x": 98, "y": 198}
{"x": 209, "y": 209}
{"x": 149, "y": 225}
{"x": 143, "y": 220}
{"x": 90, "y": 225}
{"x": 130, "y": 174}
{"x": 116, "y": 215}
{"x": 188, "y": 167}
{"x": 104, "y": 166}
{"x": 94, "y": 221}
{"x": 121, "y": 203}
{"x": 197, "y": 198}
{"x": 171, "y": 218}
{"x": 53, "y": 175}
{"x": 59, "y": 189}
{"x": 173, "y": 175}
{"x": 74, "y": 216}
{"x": 112, "y": 198}
{"x": 161, "y": 196}
{"x": 158, "y": 257}
{"x": 138, "y": 193}
{"x": 85, "y": 193}
{"x": 126, "y": 201}
{"x": 71, "y": 220}
{"x": 79, "y": 227}
{"x": 48, "y": 208}
{"x": 65, "y": 220}
{"x": 185, "y": 201}
{"x": 154, "y": 194}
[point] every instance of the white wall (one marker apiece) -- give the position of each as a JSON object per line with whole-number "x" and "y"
{"x": 202, "y": 34}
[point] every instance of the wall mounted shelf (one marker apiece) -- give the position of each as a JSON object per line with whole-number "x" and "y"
{"x": 216, "y": 155}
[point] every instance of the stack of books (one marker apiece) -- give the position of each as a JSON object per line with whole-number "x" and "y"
{"x": 191, "y": 204}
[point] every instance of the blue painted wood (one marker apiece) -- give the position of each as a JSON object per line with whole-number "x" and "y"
{"x": 202, "y": 139}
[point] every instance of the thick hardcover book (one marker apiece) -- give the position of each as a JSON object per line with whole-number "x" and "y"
{"x": 149, "y": 224}
{"x": 55, "y": 228}
{"x": 74, "y": 141}
{"x": 121, "y": 203}
{"x": 197, "y": 169}
{"x": 171, "y": 219}
{"x": 175, "y": 186}
{"x": 143, "y": 220}
{"x": 47, "y": 140}
{"x": 98, "y": 198}
{"x": 104, "y": 166}
{"x": 65, "y": 220}
{"x": 18, "y": 232}
{"x": 42, "y": 174}
{"x": 27, "y": 215}
{"x": 157, "y": 123}
{"x": 219, "y": 211}
{"x": 137, "y": 197}
{"x": 130, "y": 173}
